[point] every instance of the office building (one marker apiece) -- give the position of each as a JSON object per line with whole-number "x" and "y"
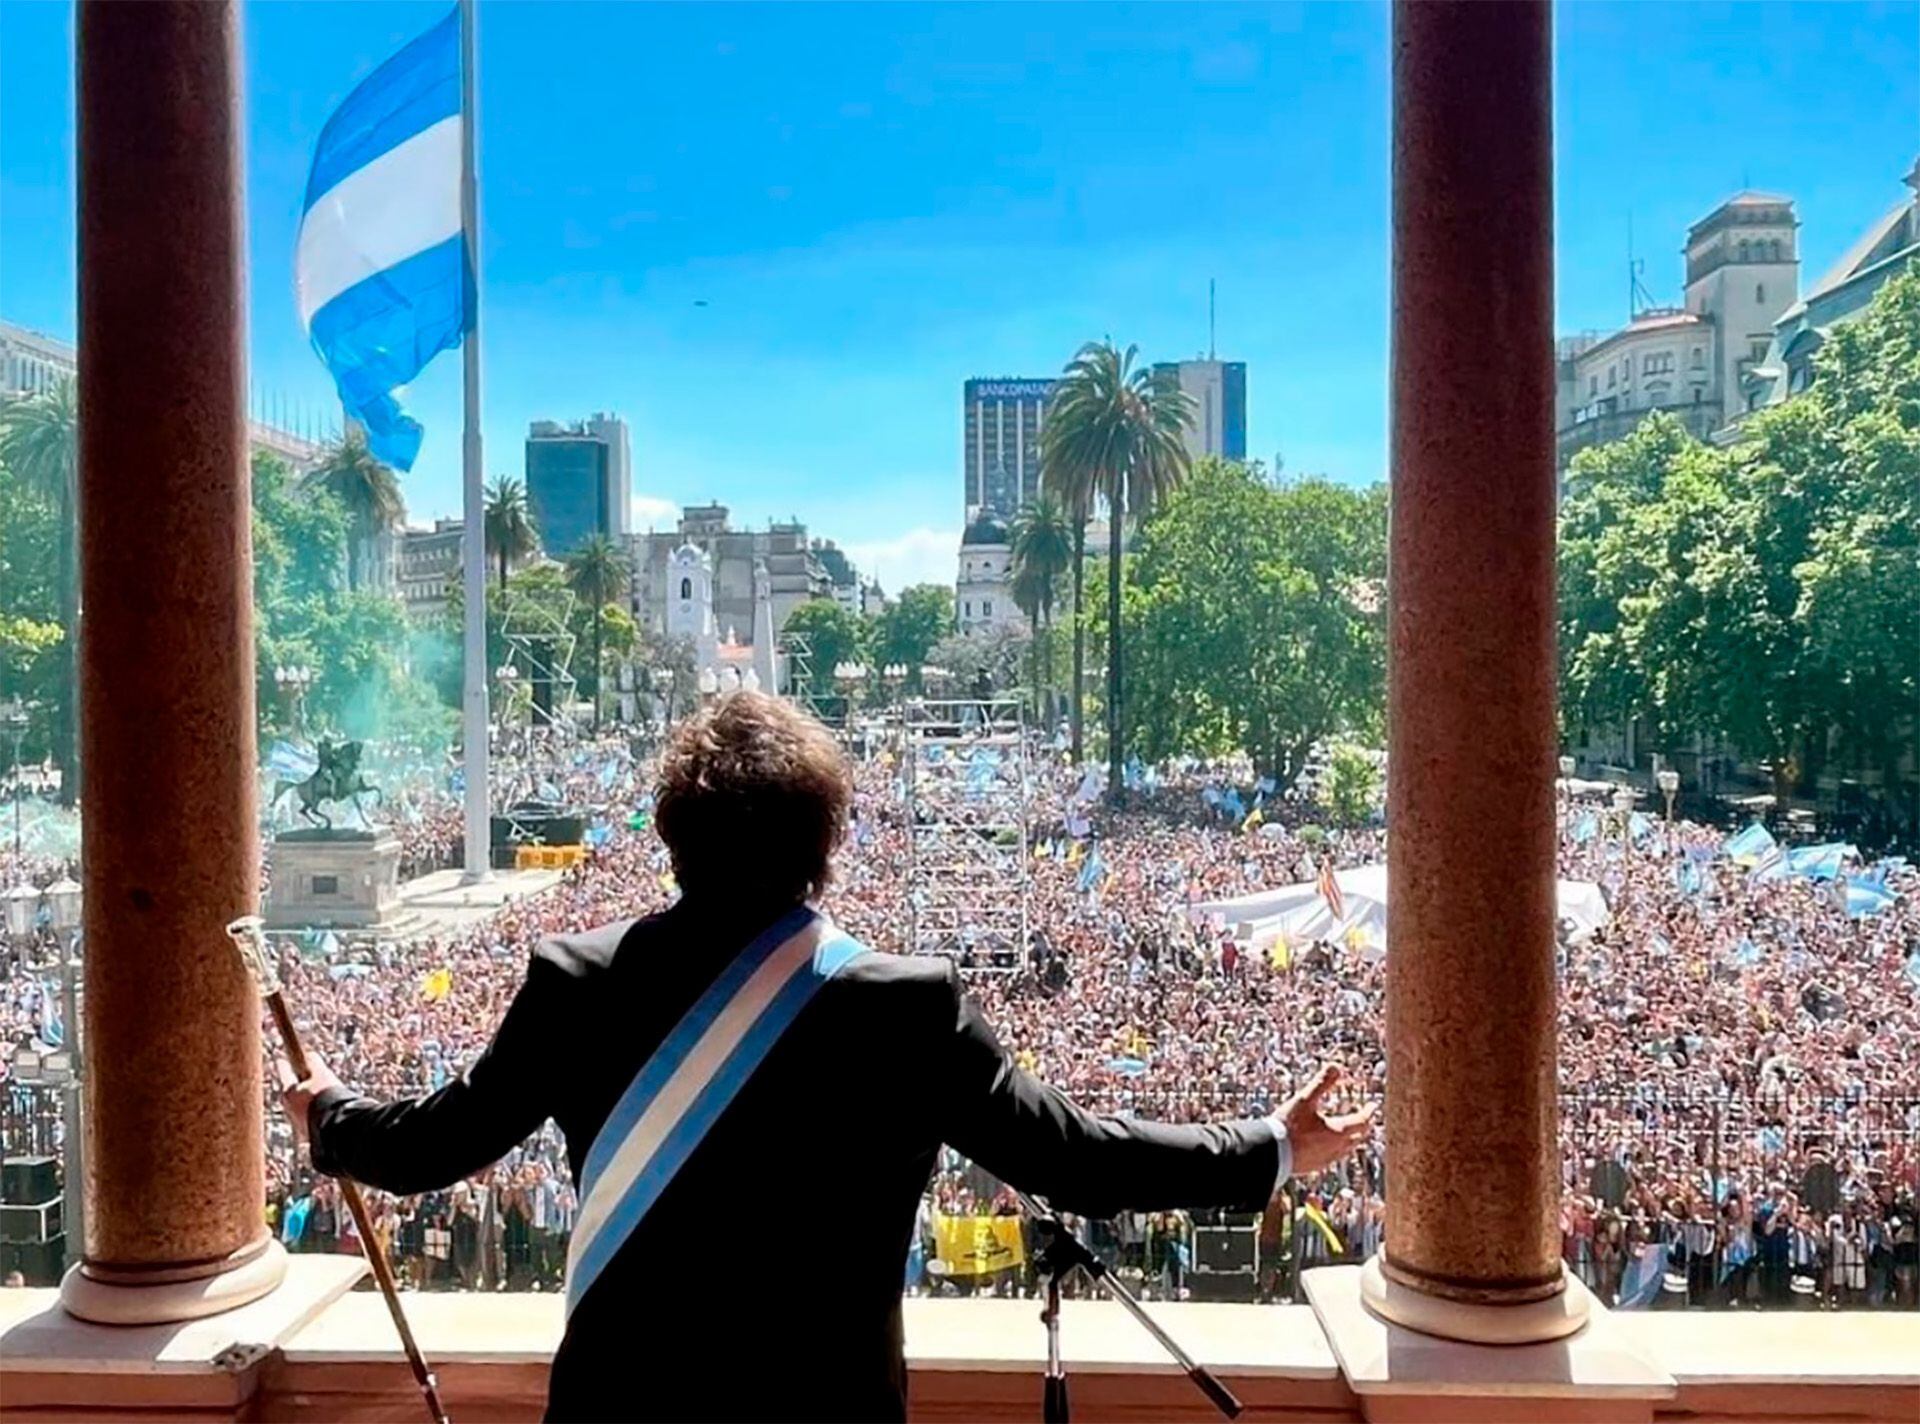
{"x": 1003, "y": 417}
{"x": 428, "y": 567}
{"x": 579, "y": 481}
{"x": 1887, "y": 248}
{"x": 1692, "y": 360}
{"x": 32, "y": 363}
{"x": 1219, "y": 392}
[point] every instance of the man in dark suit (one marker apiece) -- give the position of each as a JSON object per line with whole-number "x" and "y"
{"x": 693, "y": 1315}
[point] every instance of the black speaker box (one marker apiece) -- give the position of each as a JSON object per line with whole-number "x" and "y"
{"x": 28, "y": 1181}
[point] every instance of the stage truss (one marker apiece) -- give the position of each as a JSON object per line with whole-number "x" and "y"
{"x": 796, "y": 657}
{"x": 968, "y": 862}
{"x": 540, "y": 649}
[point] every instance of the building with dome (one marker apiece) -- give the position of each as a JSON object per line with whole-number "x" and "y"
{"x": 983, "y": 592}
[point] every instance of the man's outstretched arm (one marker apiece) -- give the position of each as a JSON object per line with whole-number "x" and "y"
{"x": 1032, "y": 1135}
{"x": 423, "y": 1144}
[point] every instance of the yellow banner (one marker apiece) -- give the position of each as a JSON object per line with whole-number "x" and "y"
{"x": 978, "y": 1245}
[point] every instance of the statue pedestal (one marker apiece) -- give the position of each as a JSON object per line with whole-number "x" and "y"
{"x": 338, "y": 879}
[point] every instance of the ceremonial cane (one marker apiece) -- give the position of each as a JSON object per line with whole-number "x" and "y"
{"x": 249, "y": 938}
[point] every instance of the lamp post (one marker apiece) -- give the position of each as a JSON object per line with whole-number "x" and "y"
{"x": 1623, "y": 806}
{"x": 849, "y": 676}
{"x": 665, "y": 682}
{"x": 293, "y": 680}
{"x": 1567, "y": 765}
{"x": 709, "y": 685}
{"x": 1668, "y": 780}
{"x": 506, "y": 677}
{"x": 15, "y": 720}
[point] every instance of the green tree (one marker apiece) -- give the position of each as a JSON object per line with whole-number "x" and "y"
{"x": 1043, "y": 551}
{"x": 39, "y": 443}
{"x": 598, "y": 573}
{"x": 1116, "y": 428}
{"x": 906, "y": 629}
{"x": 1350, "y": 786}
{"x": 1764, "y": 592}
{"x": 1256, "y": 615}
{"x": 369, "y": 492}
{"x": 511, "y": 537}
{"x": 835, "y": 635}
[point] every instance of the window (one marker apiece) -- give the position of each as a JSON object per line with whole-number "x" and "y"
{"x": 1699, "y": 357}
{"x": 1743, "y": 250}
{"x": 1759, "y": 291}
{"x": 1593, "y": 385}
{"x": 986, "y": 608}
{"x": 1775, "y": 247}
{"x": 1612, "y": 371}
{"x": 326, "y": 885}
{"x": 686, "y": 588}
{"x": 969, "y": 608}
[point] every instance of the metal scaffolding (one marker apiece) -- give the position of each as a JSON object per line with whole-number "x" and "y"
{"x": 968, "y": 864}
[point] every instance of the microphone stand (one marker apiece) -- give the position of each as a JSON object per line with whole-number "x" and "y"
{"x": 1059, "y": 1254}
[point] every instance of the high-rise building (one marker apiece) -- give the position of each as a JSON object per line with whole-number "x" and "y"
{"x": 1003, "y": 418}
{"x": 1219, "y": 391}
{"x": 579, "y": 481}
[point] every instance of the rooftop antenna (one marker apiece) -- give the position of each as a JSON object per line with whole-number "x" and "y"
{"x": 1209, "y": 318}
{"x": 1638, "y": 297}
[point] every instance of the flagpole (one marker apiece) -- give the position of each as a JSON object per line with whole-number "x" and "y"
{"x": 473, "y": 540}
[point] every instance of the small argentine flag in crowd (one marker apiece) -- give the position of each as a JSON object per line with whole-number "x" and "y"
{"x": 382, "y": 273}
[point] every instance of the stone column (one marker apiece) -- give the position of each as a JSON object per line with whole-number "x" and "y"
{"x": 173, "y": 1131}
{"x": 1473, "y": 1179}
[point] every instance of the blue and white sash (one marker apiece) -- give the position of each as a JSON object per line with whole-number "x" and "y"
{"x": 690, "y": 1080}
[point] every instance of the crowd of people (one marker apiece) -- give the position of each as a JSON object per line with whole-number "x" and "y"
{"x": 1740, "y": 1097}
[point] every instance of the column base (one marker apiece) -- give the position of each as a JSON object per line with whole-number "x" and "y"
{"x": 106, "y": 1302}
{"x": 1529, "y": 1323}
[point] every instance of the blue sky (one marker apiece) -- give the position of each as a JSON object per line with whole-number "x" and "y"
{"x": 876, "y": 202}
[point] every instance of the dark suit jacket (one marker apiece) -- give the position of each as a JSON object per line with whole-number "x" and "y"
{"x": 706, "y": 1312}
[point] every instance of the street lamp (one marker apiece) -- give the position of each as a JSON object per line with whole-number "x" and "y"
{"x": 1567, "y": 765}
{"x": 1623, "y": 806}
{"x": 23, "y": 901}
{"x": 749, "y": 681}
{"x": 293, "y": 681}
{"x": 1668, "y": 780}
{"x": 16, "y": 721}
{"x": 709, "y": 684}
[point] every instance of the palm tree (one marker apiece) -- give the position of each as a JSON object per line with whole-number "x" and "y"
{"x": 1043, "y": 547}
{"x": 511, "y": 536}
{"x": 367, "y": 489}
{"x": 39, "y": 441}
{"x": 1114, "y": 430}
{"x": 597, "y": 571}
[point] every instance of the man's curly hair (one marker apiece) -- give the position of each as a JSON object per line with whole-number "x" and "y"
{"x": 752, "y": 799}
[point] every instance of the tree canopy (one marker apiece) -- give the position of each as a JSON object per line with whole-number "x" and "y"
{"x": 1767, "y": 591}
{"x": 1255, "y": 615}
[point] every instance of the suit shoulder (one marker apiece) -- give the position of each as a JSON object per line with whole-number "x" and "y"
{"x": 926, "y": 982}
{"x": 589, "y": 952}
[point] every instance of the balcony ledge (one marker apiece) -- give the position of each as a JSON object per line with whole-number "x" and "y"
{"x": 315, "y": 1350}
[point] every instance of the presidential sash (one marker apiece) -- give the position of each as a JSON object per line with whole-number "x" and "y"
{"x": 691, "y": 1079}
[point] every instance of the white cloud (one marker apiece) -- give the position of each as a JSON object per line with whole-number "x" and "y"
{"x": 920, "y": 555}
{"x": 650, "y": 511}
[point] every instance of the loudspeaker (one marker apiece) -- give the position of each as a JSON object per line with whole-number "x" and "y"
{"x": 28, "y": 1181}
{"x": 1237, "y": 1286}
{"x": 1223, "y": 1248}
{"x": 41, "y": 1262}
{"x": 32, "y": 1223}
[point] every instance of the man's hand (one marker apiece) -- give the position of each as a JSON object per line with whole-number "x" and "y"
{"x": 1319, "y": 1141}
{"x": 299, "y": 1096}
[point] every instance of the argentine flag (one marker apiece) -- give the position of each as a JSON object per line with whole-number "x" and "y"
{"x": 382, "y": 273}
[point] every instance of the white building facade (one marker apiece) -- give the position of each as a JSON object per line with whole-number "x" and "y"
{"x": 983, "y": 592}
